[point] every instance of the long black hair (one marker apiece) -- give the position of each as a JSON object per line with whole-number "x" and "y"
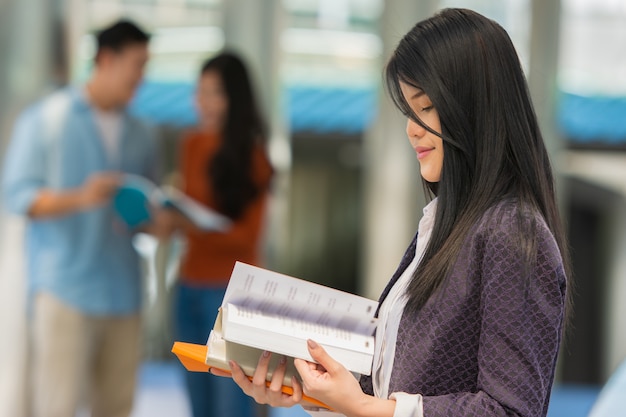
{"x": 493, "y": 148}
{"x": 230, "y": 170}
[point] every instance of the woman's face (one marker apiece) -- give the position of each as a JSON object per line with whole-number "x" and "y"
{"x": 428, "y": 146}
{"x": 211, "y": 101}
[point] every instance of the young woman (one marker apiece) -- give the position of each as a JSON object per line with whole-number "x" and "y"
{"x": 471, "y": 322}
{"x": 224, "y": 166}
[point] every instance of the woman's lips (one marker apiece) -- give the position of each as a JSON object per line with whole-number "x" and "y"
{"x": 422, "y": 152}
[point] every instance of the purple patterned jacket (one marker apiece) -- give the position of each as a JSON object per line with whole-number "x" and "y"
{"x": 486, "y": 343}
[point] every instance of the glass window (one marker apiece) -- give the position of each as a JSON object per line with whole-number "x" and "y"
{"x": 184, "y": 33}
{"x": 592, "y": 56}
{"x": 513, "y": 15}
{"x": 332, "y": 42}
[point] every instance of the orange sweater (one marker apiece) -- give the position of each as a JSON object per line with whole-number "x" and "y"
{"x": 210, "y": 256}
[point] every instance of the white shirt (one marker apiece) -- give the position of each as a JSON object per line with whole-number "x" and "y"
{"x": 390, "y": 315}
{"x": 110, "y": 126}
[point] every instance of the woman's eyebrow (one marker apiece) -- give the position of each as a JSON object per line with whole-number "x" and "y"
{"x": 417, "y": 95}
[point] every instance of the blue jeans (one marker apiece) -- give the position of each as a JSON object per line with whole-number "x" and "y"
{"x": 210, "y": 395}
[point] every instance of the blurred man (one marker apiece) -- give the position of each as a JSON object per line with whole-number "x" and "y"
{"x": 65, "y": 161}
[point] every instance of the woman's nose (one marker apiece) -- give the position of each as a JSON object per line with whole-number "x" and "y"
{"x": 414, "y": 129}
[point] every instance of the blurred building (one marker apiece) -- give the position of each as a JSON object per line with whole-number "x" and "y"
{"x": 345, "y": 201}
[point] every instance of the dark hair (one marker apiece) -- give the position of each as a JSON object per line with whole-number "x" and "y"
{"x": 493, "y": 148}
{"x": 230, "y": 170}
{"x": 120, "y": 35}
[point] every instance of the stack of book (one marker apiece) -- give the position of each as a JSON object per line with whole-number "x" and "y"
{"x": 264, "y": 310}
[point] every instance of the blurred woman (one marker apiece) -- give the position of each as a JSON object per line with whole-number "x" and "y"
{"x": 224, "y": 166}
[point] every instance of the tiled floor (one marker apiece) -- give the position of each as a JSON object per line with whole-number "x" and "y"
{"x": 161, "y": 391}
{"x": 161, "y": 394}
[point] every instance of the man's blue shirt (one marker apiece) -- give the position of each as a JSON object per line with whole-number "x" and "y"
{"x": 85, "y": 259}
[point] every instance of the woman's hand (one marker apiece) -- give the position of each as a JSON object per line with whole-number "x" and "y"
{"x": 330, "y": 382}
{"x": 260, "y": 391}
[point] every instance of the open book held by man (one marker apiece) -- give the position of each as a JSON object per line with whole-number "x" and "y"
{"x": 137, "y": 197}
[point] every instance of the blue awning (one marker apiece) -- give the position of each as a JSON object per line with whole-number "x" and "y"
{"x": 310, "y": 109}
{"x": 582, "y": 120}
{"x": 330, "y": 110}
{"x": 593, "y": 120}
{"x": 169, "y": 103}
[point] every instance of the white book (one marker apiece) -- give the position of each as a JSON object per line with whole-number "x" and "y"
{"x": 137, "y": 196}
{"x": 270, "y": 311}
{"x": 219, "y": 352}
{"x": 203, "y": 217}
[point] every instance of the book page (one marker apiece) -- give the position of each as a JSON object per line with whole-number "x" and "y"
{"x": 202, "y": 216}
{"x": 144, "y": 185}
{"x": 274, "y": 294}
{"x": 285, "y": 329}
{"x": 288, "y": 337}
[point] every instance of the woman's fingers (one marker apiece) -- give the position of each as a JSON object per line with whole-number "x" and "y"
{"x": 297, "y": 390}
{"x": 275, "y": 395}
{"x": 258, "y": 388}
{"x": 239, "y": 377}
{"x": 322, "y": 358}
{"x": 278, "y": 376}
{"x": 328, "y": 381}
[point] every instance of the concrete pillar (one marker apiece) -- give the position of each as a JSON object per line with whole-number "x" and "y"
{"x": 543, "y": 68}
{"x": 392, "y": 181}
{"x": 5, "y": 45}
{"x": 24, "y": 31}
{"x": 542, "y": 82}
{"x": 615, "y": 312}
{"x": 256, "y": 35}
{"x": 28, "y": 45}
{"x": 14, "y": 378}
{"x": 31, "y": 44}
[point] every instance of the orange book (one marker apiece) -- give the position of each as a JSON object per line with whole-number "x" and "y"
{"x": 194, "y": 359}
